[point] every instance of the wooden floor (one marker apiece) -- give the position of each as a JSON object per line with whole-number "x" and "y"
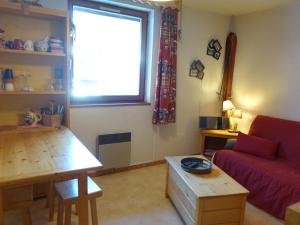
{"x": 135, "y": 197}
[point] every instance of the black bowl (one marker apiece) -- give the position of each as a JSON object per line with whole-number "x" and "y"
{"x": 196, "y": 165}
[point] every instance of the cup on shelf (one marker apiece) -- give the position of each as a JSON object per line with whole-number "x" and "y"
{"x": 2, "y": 43}
{"x": 8, "y": 80}
{"x": 28, "y": 45}
{"x": 18, "y": 44}
{"x": 9, "y": 44}
{"x": 1, "y": 78}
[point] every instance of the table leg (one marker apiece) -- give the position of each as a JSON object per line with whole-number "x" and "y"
{"x": 83, "y": 200}
{"x": 202, "y": 144}
{"x": 167, "y": 182}
{"x": 1, "y": 208}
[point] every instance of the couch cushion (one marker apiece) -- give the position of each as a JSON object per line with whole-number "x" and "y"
{"x": 284, "y": 132}
{"x": 256, "y": 146}
{"x": 273, "y": 184}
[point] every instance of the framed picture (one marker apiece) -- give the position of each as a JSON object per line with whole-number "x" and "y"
{"x": 214, "y": 49}
{"x": 217, "y": 55}
{"x": 197, "y": 69}
{"x": 210, "y": 51}
{"x": 211, "y": 43}
{"x": 217, "y": 45}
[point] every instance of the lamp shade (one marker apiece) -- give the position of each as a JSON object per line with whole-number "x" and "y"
{"x": 237, "y": 114}
{"x": 227, "y": 105}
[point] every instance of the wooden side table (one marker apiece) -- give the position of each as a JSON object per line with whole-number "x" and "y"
{"x": 293, "y": 215}
{"x": 214, "y": 133}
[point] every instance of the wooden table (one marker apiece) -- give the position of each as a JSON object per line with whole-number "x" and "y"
{"x": 292, "y": 216}
{"x": 214, "y": 133}
{"x": 34, "y": 156}
{"x": 213, "y": 198}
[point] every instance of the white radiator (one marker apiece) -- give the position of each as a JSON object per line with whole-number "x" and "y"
{"x": 114, "y": 150}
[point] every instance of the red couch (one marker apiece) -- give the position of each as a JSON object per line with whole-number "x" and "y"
{"x": 273, "y": 184}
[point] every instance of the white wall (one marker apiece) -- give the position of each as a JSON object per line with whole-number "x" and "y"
{"x": 267, "y": 72}
{"x": 194, "y": 97}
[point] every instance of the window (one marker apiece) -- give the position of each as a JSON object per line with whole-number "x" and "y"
{"x": 109, "y": 53}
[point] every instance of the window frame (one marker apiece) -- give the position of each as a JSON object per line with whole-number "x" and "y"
{"x": 116, "y": 99}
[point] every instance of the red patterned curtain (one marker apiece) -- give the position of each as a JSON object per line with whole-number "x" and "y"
{"x": 165, "y": 99}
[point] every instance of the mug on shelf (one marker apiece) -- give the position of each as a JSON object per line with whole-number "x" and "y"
{"x": 9, "y": 44}
{"x": 8, "y": 80}
{"x": 2, "y": 43}
{"x": 28, "y": 45}
{"x": 8, "y": 74}
{"x": 18, "y": 44}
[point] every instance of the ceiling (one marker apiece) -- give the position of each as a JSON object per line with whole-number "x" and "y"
{"x": 234, "y": 7}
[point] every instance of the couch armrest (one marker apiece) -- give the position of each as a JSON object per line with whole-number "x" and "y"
{"x": 292, "y": 216}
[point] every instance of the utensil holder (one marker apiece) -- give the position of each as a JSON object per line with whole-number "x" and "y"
{"x": 52, "y": 120}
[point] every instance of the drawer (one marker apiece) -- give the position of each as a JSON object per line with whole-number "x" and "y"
{"x": 230, "y": 216}
{"x": 187, "y": 192}
{"x": 223, "y": 203}
{"x": 15, "y": 197}
{"x": 180, "y": 206}
{"x": 176, "y": 190}
{"x": 41, "y": 190}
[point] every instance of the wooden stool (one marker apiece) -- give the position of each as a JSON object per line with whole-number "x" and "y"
{"x": 67, "y": 192}
{"x": 19, "y": 198}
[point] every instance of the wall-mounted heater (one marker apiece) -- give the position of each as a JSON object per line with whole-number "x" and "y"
{"x": 114, "y": 150}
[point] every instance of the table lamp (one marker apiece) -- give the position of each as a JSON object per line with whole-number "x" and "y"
{"x": 228, "y": 107}
{"x": 232, "y": 114}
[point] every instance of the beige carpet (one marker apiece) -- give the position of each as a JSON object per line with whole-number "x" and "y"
{"x": 135, "y": 198}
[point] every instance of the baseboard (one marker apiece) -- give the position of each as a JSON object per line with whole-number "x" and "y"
{"x": 131, "y": 167}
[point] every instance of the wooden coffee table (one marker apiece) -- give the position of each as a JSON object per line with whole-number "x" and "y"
{"x": 208, "y": 199}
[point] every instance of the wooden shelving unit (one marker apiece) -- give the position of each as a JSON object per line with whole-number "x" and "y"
{"x": 33, "y": 11}
{"x": 23, "y": 52}
{"x": 26, "y": 129}
{"x": 34, "y": 23}
{"x": 33, "y": 93}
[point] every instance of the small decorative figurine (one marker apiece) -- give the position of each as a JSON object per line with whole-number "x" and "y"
{"x": 31, "y": 118}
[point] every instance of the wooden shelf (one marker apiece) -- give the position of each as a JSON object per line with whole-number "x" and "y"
{"x": 32, "y": 93}
{"x": 39, "y": 22}
{"x": 38, "y": 128}
{"x": 23, "y": 52}
{"x": 32, "y": 11}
